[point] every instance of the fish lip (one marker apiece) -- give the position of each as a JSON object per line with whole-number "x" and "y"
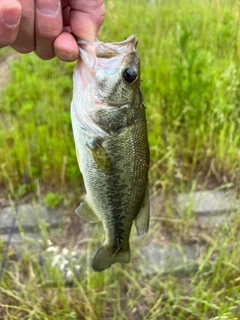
{"x": 93, "y": 52}
{"x": 129, "y": 39}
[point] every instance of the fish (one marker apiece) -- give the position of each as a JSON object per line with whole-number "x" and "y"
{"x": 110, "y": 133}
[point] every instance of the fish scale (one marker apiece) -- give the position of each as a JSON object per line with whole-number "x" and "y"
{"x": 112, "y": 145}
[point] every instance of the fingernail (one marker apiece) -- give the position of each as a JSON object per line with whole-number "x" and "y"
{"x": 66, "y": 55}
{"x": 11, "y": 17}
{"x": 48, "y": 7}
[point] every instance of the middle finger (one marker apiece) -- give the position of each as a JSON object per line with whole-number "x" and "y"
{"x": 48, "y": 26}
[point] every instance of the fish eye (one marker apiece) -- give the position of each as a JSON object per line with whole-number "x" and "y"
{"x": 129, "y": 75}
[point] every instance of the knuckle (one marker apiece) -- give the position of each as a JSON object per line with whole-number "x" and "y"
{"x": 50, "y": 34}
{"x": 50, "y": 30}
{"x": 21, "y": 49}
{"x": 44, "y": 55}
{"x": 6, "y": 42}
{"x": 7, "y": 36}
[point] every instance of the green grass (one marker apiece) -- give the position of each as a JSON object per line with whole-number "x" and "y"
{"x": 190, "y": 69}
{"x": 35, "y": 124}
{"x": 190, "y": 54}
{"x": 33, "y": 290}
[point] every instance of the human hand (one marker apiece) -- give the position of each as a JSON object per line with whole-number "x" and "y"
{"x": 45, "y": 26}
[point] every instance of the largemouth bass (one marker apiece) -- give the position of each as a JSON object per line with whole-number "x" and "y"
{"x": 110, "y": 133}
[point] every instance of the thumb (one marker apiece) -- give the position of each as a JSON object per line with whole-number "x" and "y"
{"x": 86, "y": 18}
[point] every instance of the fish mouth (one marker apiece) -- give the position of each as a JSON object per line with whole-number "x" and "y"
{"x": 120, "y": 43}
{"x": 123, "y": 42}
{"x": 98, "y": 55}
{"x": 108, "y": 50}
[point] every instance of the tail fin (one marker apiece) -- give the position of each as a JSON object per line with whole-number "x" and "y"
{"x": 105, "y": 257}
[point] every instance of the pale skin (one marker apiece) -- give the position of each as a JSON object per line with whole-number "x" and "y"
{"x": 47, "y": 26}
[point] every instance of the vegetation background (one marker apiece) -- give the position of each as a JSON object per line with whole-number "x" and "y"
{"x": 190, "y": 58}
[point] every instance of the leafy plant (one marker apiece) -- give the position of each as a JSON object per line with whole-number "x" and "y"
{"x": 52, "y": 200}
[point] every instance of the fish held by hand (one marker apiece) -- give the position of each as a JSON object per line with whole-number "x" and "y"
{"x": 110, "y": 133}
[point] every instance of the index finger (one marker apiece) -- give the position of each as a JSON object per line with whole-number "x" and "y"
{"x": 86, "y": 18}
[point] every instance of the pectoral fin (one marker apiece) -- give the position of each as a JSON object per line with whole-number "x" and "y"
{"x": 142, "y": 218}
{"x": 100, "y": 155}
{"x": 86, "y": 211}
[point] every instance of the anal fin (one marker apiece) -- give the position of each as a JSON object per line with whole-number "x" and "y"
{"x": 142, "y": 218}
{"x": 86, "y": 211}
